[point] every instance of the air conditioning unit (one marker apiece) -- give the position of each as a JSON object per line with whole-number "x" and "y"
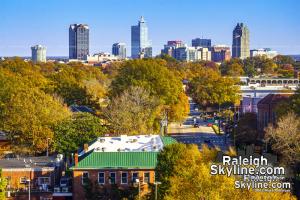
{"x": 64, "y": 189}
{"x": 56, "y": 189}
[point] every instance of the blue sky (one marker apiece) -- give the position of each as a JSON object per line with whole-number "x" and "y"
{"x": 272, "y": 23}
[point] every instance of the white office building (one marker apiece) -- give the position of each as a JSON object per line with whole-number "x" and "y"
{"x": 38, "y": 53}
{"x": 263, "y": 52}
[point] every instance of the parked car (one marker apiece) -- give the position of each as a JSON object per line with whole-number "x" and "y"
{"x": 207, "y": 141}
{"x": 196, "y": 125}
{"x": 209, "y": 124}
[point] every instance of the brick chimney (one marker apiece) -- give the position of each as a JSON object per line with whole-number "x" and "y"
{"x": 76, "y": 159}
{"x": 85, "y": 148}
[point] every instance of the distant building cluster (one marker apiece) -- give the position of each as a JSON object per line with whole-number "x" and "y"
{"x": 201, "y": 49}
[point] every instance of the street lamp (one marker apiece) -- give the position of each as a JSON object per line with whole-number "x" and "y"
{"x": 138, "y": 181}
{"x": 28, "y": 180}
{"x": 156, "y": 183}
{"x": 47, "y": 154}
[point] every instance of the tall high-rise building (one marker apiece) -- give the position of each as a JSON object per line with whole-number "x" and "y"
{"x": 38, "y": 53}
{"x": 119, "y": 49}
{"x": 198, "y": 42}
{"x": 140, "y": 44}
{"x": 240, "y": 42}
{"x": 78, "y": 41}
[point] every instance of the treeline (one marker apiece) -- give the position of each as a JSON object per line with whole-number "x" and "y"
{"x": 35, "y": 100}
{"x": 128, "y": 98}
{"x": 282, "y": 66}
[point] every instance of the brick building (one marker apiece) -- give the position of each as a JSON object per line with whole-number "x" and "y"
{"x": 266, "y": 110}
{"x": 42, "y": 173}
{"x": 118, "y": 162}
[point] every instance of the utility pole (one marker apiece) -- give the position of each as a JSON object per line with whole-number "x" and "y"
{"x": 47, "y": 154}
{"x": 156, "y": 183}
{"x": 138, "y": 181}
{"x": 28, "y": 180}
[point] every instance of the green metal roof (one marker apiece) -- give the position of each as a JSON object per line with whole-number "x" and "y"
{"x": 121, "y": 160}
{"x": 117, "y": 160}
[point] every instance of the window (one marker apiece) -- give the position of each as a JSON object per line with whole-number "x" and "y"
{"x": 44, "y": 180}
{"x": 112, "y": 177}
{"x": 146, "y": 177}
{"x": 135, "y": 175}
{"x": 84, "y": 178}
{"x": 23, "y": 180}
{"x": 124, "y": 177}
{"x": 101, "y": 178}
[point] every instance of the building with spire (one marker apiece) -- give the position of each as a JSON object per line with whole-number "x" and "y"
{"x": 140, "y": 44}
{"x": 240, "y": 42}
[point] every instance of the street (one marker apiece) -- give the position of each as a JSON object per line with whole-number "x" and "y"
{"x": 186, "y": 133}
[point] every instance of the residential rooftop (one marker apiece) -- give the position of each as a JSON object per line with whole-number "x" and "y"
{"x": 124, "y": 143}
{"x": 30, "y": 162}
{"x": 123, "y": 152}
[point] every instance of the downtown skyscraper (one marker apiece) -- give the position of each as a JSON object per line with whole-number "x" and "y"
{"x": 240, "y": 42}
{"x": 119, "y": 49}
{"x": 78, "y": 41}
{"x": 140, "y": 44}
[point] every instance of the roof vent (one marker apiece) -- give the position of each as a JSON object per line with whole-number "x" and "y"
{"x": 134, "y": 140}
{"x": 102, "y": 140}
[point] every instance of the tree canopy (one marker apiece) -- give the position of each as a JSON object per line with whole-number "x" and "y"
{"x": 284, "y": 138}
{"x": 134, "y": 111}
{"x": 211, "y": 88}
{"x": 184, "y": 172}
{"x": 74, "y": 132}
{"x": 152, "y": 75}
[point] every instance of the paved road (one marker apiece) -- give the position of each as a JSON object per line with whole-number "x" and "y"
{"x": 187, "y": 134}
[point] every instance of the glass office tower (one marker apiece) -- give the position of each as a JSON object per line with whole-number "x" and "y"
{"x": 140, "y": 44}
{"x": 78, "y": 41}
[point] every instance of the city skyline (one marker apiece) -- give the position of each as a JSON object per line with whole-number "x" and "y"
{"x": 272, "y": 24}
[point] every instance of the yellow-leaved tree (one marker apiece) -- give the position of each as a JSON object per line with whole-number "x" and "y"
{"x": 185, "y": 175}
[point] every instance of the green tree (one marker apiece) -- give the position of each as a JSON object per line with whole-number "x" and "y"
{"x": 75, "y": 131}
{"x": 234, "y": 68}
{"x": 92, "y": 190}
{"x": 211, "y": 88}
